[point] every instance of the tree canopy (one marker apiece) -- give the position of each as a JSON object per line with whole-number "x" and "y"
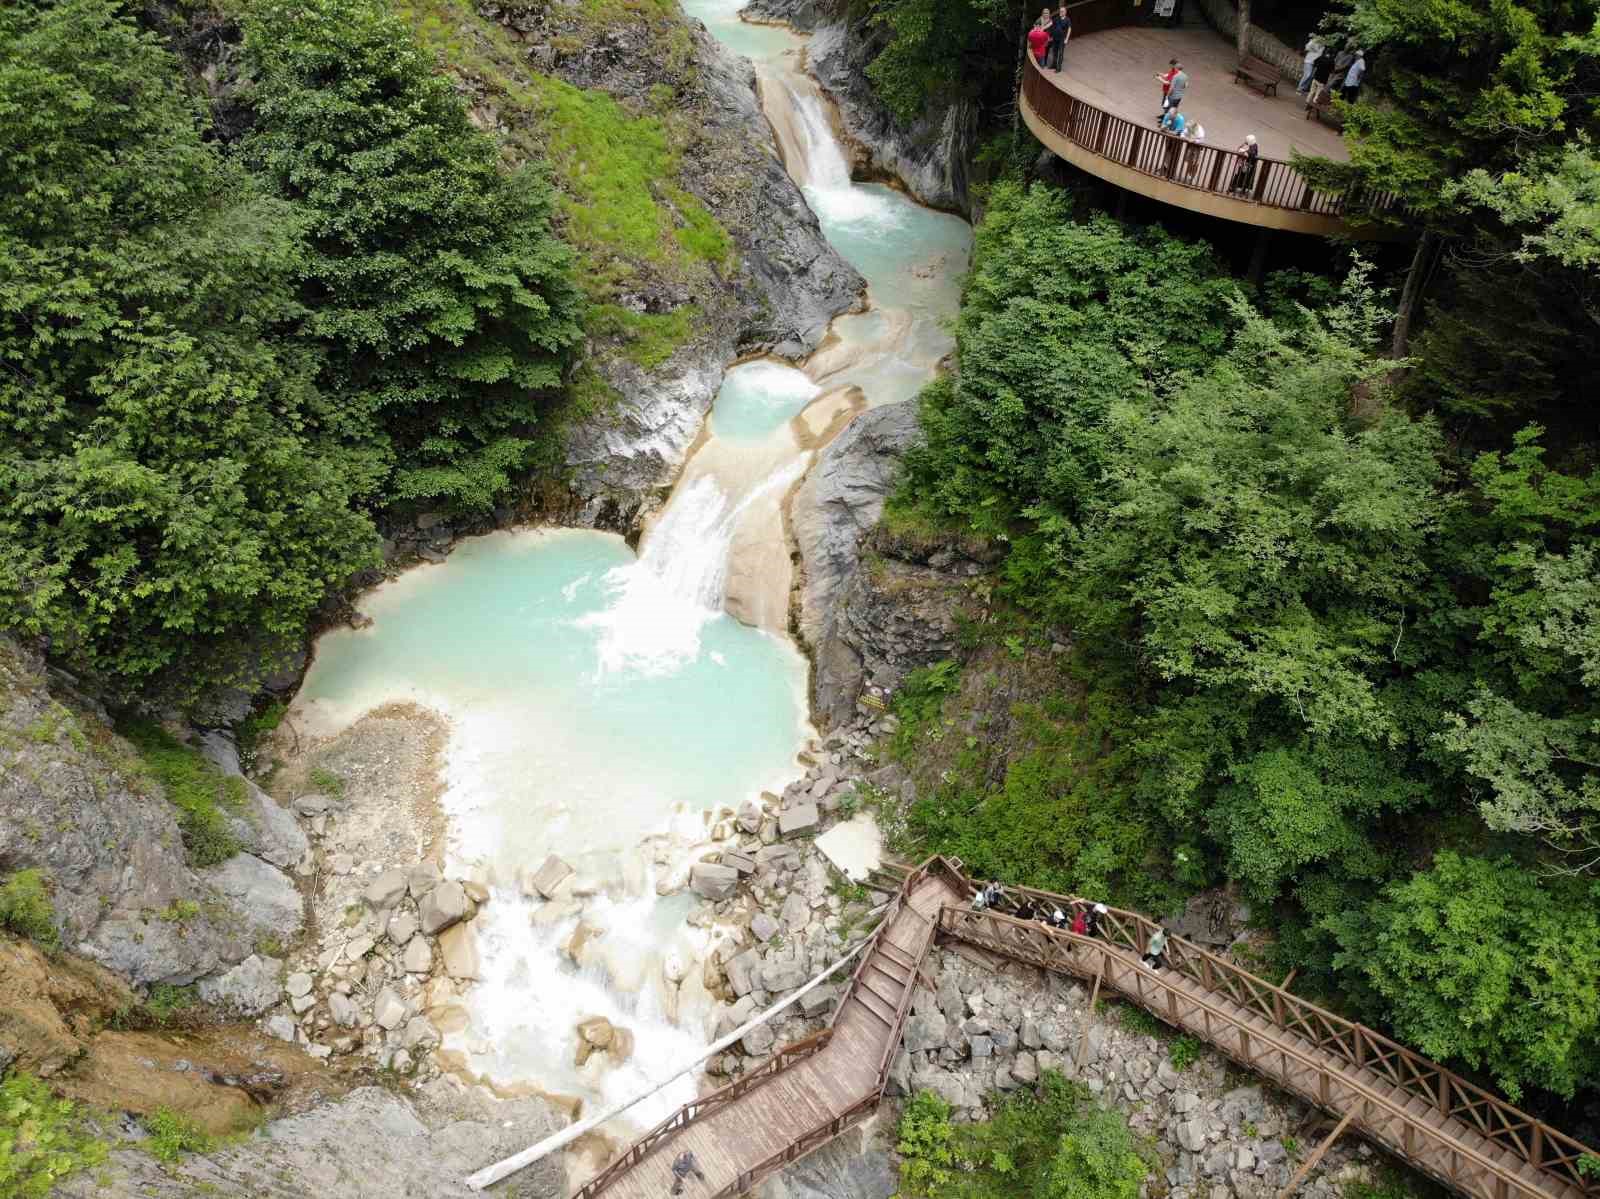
{"x": 1340, "y": 661}
{"x": 214, "y": 365}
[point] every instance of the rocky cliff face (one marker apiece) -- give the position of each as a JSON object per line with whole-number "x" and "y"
{"x": 930, "y": 156}
{"x": 899, "y": 610}
{"x": 76, "y": 805}
{"x": 372, "y": 1144}
{"x": 779, "y": 295}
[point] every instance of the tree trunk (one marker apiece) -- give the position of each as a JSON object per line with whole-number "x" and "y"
{"x": 1242, "y": 34}
{"x": 1411, "y": 293}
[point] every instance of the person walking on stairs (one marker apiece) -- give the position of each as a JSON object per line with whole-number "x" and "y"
{"x": 1156, "y": 949}
{"x": 1092, "y": 922}
{"x": 684, "y": 1165}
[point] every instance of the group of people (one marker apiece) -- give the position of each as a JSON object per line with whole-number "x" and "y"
{"x": 1326, "y": 69}
{"x": 1174, "y": 83}
{"x": 1047, "y": 40}
{"x": 1083, "y": 919}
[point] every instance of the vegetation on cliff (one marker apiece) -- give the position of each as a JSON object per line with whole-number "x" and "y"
{"x": 219, "y": 359}
{"x": 1326, "y": 652}
{"x": 1051, "y": 1143}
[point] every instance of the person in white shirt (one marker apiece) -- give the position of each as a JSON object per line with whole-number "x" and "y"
{"x": 1313, "y": 52}
{"x": 1353, "y": 78}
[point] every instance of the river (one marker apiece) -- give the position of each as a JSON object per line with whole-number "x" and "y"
{"x": 603, "y": 704}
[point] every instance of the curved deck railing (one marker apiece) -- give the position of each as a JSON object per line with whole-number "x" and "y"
{"x": 1221, "y": 173}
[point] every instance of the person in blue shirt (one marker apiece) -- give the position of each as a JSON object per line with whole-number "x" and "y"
{"x": 1173, "y": 122}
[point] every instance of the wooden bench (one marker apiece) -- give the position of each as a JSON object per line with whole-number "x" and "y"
{"x": 1257, "y": 72}
{"x": 1323, "y": 109}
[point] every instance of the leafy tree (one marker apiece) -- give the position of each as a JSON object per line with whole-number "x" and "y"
{"x": 1096, "y": 1160}
{"x": 1059, "y": 321}
{"x": 432, "y": 277}
{"x": 164, "y": 499}
{"x": 1049, "y": 1142}
{"x": 1479, "y": 960}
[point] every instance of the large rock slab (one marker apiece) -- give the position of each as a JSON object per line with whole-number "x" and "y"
{"x": 442, "y": 906}
{"x": 458, "y": 946}
{"x": 841, "y": 500}
{"x": 712, "y": 881}
{"x": 548, "y": 880}
{"x": 248, "y": 989}
{"x": 261, "y": 894}
{"x": 801, "y": 818}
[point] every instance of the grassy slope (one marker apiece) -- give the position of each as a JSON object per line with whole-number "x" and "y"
{"x": 616, "y": 162}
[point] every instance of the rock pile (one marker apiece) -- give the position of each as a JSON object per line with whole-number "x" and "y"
{"x": 393, "y": 961}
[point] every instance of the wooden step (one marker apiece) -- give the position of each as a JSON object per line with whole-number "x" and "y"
{"x": 895, "y": 955}
{"x": 892, "y": 1001}
{"x": 874, "y": 1004}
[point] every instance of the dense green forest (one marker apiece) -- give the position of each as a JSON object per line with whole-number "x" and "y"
{"x": 1335, "y": 617}
{"x": 221, "y": 356}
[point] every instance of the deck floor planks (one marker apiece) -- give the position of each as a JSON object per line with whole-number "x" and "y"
{"x": 1115, "y": 70}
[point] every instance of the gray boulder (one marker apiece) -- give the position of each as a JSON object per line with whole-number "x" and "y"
{"x": 442, "y": 906}
{"x": 260, "y": 893}
{"x": 801, "y": 818}
{"x": 712, "y": 881}
{"x": 248, "y": 989}
{"x": 388, "y": 889}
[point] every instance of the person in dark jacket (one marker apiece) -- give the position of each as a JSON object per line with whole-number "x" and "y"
{"x": 1060, "y": 35}
{"x": 684, "y": 1165}
{"x": 1321, "y": 73}
{"x": 1096, "y": 915}
{"x": 1246, "y": 174}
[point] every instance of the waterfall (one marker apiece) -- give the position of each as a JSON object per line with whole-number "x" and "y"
{"x": 798, "y": 113}
{"x": 660, "y": 603}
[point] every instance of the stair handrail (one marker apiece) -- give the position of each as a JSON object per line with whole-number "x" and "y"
{"x": 1368, "y": 1048}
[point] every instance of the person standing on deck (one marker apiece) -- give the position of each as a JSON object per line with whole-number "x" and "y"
{"x": 1176, "y": 90}
{"x": 1096, "y": 915}
{"x": 1039, "y": 38}
{"x": 1156, "y": 949}
{"x": 1246, "y": 174}
{"x": 1353, "y": 77}
{"x": 1060, "y": 35}
{"x": 1165, "y": 79}
{"x": 1321, "y": 73}
{"x": 1314, "y": 50}
{"x": 684, "y": 1165}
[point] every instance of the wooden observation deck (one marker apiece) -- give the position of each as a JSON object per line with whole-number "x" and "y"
{"x": 1099, "y": 113}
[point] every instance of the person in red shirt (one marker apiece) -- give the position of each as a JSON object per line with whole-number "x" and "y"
{"x": 1039, "y": 39}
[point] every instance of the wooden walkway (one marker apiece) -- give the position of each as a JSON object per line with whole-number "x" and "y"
{"x": 807, "y": 1094}
{"x": 810, "y": 1092}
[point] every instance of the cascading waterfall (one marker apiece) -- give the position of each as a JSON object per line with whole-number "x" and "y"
{"x": 660, "y": 603}
{"x": 600, "y": 703}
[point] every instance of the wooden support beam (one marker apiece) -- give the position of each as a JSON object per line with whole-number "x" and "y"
{"x": 1288, "y": 979}
{"x": 1310, "y": 1163}
{"x": 1083, "y": 1041}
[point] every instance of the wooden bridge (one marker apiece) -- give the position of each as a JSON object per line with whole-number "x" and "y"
{"x": 810, "y": 1092}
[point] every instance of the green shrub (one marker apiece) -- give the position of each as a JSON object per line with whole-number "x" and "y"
{"x": 1183, "y": 1052}
{"x": 326, "y": 782}
{"x": 42, "y": 1139}
{"x": 200, "y": 791}
{"x": 167, "y": 1001}
{"x": 172, "y": 1135}
{"x": 1137, "y": 1020}
{"x": 1051, "y": 1142}
{"x": 25, "y": 908}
